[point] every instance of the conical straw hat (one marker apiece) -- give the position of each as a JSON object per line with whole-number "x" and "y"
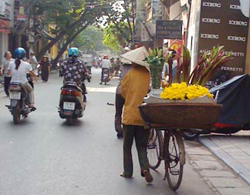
{"x": 137, "y": 56}
{"x": 124, "y": 61}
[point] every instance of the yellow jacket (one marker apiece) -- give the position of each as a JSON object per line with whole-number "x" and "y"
{"x": 134, "y": 87}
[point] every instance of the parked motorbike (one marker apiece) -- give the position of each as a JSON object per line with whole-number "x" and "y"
{"x": 19, "y": 102}
{"x": 235, "y": 115}
{"x": 106, "y": 77}
{"x": 71, "y": 106}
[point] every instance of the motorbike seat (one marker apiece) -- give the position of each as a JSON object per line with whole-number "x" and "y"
{"x": 72, "y": 86}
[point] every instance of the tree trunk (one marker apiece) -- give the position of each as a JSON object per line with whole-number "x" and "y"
{"x": 59, "y": 37}
{"x": 65, "y": 46}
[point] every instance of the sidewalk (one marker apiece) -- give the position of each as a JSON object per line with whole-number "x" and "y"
{"x": 233, "y": 150}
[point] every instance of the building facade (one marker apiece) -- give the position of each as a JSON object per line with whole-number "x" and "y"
{"x": 6, "y": 23}
{"x": 220, "y": 22}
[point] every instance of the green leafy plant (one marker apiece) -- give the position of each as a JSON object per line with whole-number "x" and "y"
{"x": 206, "y": 66}
{"x": 156, "y": 59}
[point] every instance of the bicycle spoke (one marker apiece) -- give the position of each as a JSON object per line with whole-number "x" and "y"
{"x": 154, "y": 149}
{"x": 174, "y": 169}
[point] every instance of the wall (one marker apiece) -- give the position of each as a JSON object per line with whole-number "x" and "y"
{"x": 193, "y": 32}
{"x": 8, "y": 14}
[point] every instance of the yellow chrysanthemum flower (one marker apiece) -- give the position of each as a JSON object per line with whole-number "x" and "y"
{"x": 181, "y": 91}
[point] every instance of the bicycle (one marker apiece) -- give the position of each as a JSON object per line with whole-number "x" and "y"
{"x": 174, "y": 118}
{"x": 170, "y": 149}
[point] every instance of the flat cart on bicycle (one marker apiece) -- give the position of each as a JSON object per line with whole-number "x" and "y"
{"x": 167, "y": 121}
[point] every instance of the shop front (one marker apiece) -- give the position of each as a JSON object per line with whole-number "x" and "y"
{"x": 4, "y": 32}
{"x": 223, "y": 23}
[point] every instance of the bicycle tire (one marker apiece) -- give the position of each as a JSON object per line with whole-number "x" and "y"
{"x": 154, "y": 146}
{"x": 177, "y": 161}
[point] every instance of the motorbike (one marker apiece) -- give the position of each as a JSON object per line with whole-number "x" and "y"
{"x": 19, "y": 102}
{"x": 235, "y": 115}
{"x": 106, "y": 77}
{"x": 71, "y": 107}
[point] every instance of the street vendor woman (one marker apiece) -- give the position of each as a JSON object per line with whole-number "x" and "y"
{"x": 134, "y": 87}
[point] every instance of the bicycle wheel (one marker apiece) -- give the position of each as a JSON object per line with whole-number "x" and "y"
{"x": 154, "y": 148}
{"x": 174, "y": 159}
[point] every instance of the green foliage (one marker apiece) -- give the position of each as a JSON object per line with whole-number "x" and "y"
{"x": 90, "y": 39}
{"x": 111, "y": 41}
{"x": 114, "y": 38}
{"x": 121, "y": 19}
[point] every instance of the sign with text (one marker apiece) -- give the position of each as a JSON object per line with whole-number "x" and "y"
{"x": 225, "y": 23}
{"x": 4, "y": 26}
{"x": 167, "y": 29}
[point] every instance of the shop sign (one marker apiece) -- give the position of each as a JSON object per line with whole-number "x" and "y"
{"x": 4, "y": 26}
{"x": 21, "y": 17}
{"x": 225, "y": 23}
{"x": 169, "y": 29}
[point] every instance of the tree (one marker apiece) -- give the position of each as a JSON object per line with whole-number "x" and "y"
{"x": 90, "y": 39}
{"x": 122, "y": 19}
{"x": 68, "y": 18}
{"x": 113, "y": 38}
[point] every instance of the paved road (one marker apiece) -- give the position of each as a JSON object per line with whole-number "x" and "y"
{"x": 44, "y": 156}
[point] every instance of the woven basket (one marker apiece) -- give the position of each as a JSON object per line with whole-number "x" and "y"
{"x": 181, "y": 115}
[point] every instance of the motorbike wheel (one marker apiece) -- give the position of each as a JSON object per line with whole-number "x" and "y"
{"x": 69, "y": 121}
{"x": 190, "y": 135}
{"x": 16, "y": 114}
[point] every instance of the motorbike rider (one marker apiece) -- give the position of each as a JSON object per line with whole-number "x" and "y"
{"x": 73, "y": 71}
{"x": 19, "y": 70}
{"x": 105, "y": 65}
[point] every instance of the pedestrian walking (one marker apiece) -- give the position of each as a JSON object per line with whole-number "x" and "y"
{"x": 119, "y": 100}
{"x": 33, "y": 61}
{"x": 134, "y": 87}
{"x": 4, "y": 70}
{"x": 45, "y": 68}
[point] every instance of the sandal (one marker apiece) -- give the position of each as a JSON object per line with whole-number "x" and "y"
{"x": 148, "y": 176}
{"x": 125, "y": 176}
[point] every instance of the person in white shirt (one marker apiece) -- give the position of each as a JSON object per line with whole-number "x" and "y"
{"x": 105, "y": 65}
{"x": 33, "y": 61}
{"x": 4, "y": 71}
{"x": 18, "y": 69}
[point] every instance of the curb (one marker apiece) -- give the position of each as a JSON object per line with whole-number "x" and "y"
{"x": 239, "y": 169}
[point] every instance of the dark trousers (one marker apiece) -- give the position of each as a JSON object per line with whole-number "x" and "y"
{"x": 141, "y": 138}
{"x": 7, "y": 85}
{"x": 45, "y": 75}
{"x": 119, "y": 102}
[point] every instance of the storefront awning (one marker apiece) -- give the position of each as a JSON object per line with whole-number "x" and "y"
{"x": 4, "y": 26}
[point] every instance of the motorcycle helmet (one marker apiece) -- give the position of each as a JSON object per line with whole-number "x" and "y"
{"x": 20, "y": 53}
{"x": 73, "y": 52}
